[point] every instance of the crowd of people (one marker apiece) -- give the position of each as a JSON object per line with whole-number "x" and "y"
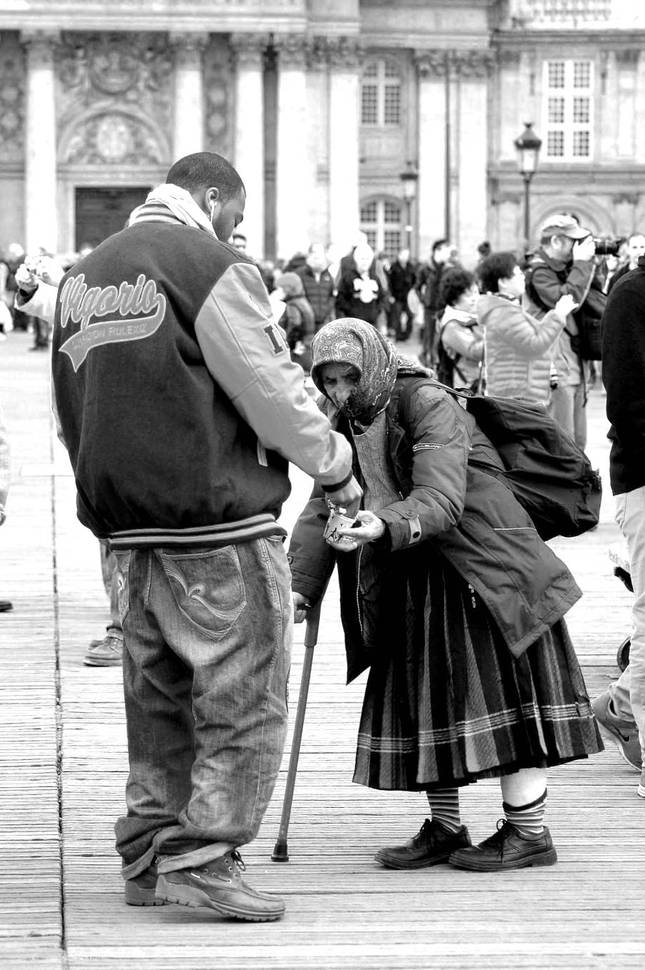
{"x": 448, "y": 594}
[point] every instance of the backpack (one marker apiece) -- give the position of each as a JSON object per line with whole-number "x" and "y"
{"x": 549, "y": 475}
{"x": 448, "y": 366}
{"x": 587, "y": 343}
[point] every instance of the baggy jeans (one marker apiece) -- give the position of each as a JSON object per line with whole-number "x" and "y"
{"x": 205, "y": 667}
{"x": 628, "y": 692}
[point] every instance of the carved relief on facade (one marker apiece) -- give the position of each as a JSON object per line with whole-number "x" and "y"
{"x": 124, "y": 69}
{"x": 473, "y": 63}
{"x": 113, "y": 138}
{"x": 218, "y": 100}
{"x": 12, "y": 99}
{"x": 292, "y": 50}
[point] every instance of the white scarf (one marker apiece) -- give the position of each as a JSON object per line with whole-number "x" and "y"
{"x": 178, "y": 201}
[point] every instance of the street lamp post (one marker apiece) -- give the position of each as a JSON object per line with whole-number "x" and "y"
{"x": 528, "y": 150}
{"x": 409, "y": 179}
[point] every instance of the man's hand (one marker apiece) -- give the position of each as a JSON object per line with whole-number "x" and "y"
{"x": 349, "y": 496}
{"x": 300, "y": 607}
{"x": 367, "y": 528}
{"x": 584, "y": 248}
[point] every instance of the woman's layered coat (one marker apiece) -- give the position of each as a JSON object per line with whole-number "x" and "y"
{"x": 453, "y": 502}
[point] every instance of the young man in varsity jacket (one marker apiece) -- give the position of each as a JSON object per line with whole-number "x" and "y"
{"x": 180, "y": 408}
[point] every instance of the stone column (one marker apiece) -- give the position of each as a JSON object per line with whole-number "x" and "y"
{"x": 472, "y": 68}
{"x": 249, "y": 133}
{"x": 188, "y": 131}
{"x": 41, "y": 215}
{"x": 294, "y": 179}
{"x": 344, "y": 126}
{"x": 431, "y": 187}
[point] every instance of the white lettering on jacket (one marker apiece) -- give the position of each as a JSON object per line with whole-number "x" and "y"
{"x": 139, "y": 310}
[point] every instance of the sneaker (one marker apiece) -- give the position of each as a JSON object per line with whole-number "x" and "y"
{"x": 5, "y": 606}
{"x": 506, "y": 849}
{"x": 219, "y": 886}
{"x": 107, "y": 652}
{"x": 626, "y": 739}
{"x": 140, "y": 891}
{"x": 431, "y": 845}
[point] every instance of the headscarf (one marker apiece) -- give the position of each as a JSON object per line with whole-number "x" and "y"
{"x": 351, "y": 341}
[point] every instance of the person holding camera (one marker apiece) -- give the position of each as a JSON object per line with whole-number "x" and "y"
{"x": 564, "y": 263}
{"x": 452, "y": 599}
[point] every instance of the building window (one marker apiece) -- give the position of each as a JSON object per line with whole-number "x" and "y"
{"x": 568, "y": 110}
{"x": 381, "y": 221}
{"x": 381, "y": 94}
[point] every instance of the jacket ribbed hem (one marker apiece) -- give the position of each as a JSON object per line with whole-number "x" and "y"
{"x": 213, "y": 536}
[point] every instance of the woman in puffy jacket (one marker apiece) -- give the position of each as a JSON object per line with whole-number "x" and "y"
{"x": 452, "y": 599}
{"x": 518, "y": 347}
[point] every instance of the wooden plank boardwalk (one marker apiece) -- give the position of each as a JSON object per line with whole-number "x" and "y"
{"x": 63, "y": 766}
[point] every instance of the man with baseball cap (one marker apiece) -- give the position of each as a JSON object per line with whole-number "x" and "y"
{"x": 564, "y": 263}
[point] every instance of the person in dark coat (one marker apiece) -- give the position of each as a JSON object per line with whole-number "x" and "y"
{"x": 318, "y": 284}
{"x": 455, "y": 603}
{"x": 401, "y": 277}
{"x": 360, "y": 293}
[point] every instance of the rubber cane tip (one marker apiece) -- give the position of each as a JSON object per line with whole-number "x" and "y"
{"x": 280, "y": 852}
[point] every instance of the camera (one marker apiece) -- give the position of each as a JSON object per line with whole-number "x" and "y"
{"x": 607, "y": 245}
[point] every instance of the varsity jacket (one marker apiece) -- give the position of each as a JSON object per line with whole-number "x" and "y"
{"x": 177, "y": 399}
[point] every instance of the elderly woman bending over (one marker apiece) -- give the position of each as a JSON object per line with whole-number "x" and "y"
{"x": 451, "y": 598}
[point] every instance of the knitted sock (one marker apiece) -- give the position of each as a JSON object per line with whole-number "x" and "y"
{"x": 527, "y": 819}
{"x": 444, "y": 807}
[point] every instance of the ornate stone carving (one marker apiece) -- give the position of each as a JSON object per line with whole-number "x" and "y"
{"x": 120, "y": 66}
{"x": 292, "y": 50}
{"x": 474, "y": 63}
{"x": 113, "y": 139}
{"x": 508, "y": 57}
{"x": 217, "y": 96}
{"x": 12, "y": 102}
{"x": 433, "y": 63}
{"x": 344, "y": 52}
{"x": 41, "y": 46}
{"x": 188, "y": 49}
{"x": 248, "y": 49}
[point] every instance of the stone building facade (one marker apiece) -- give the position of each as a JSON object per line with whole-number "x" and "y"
{"x": 322, "y": 105}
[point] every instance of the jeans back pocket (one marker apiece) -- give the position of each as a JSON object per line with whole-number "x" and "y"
{"x": 207, "y": 586}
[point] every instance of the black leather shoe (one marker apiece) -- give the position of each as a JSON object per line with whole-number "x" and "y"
{"x": 430, "y": 846}
{"x": 5, "y": 606}
{"x": 507, "y": 849}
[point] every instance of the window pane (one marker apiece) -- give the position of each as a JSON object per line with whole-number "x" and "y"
{"x": 391, "y": 242}
{"x": 555, "y": 143}
{"x": 371, "y": 69}
{"x": 581, "y": 110}
{"x": 369, "y": 212}
{"x": 392, "y": 69}
{"x": 392, "y": 106}
{"x": 369, "y": 104}
{"x": 581, "y": 74}
{"x": 556, "y": 111}
{"x": 391, "y": 213}
{"x": 581, "y": 143}
{"x": 371, "y": 237}
{"x": 556, "y": 74}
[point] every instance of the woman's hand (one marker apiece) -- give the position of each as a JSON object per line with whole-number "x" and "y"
{"x": 565, "y": 305}
{"x": 300, "y": 607}
{"x": 367, "y": 528}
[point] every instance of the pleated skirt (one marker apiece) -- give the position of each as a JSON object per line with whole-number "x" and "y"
{"x": 446, "y": 703}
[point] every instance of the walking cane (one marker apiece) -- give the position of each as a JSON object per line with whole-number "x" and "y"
{"x": 280, "y": 850}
